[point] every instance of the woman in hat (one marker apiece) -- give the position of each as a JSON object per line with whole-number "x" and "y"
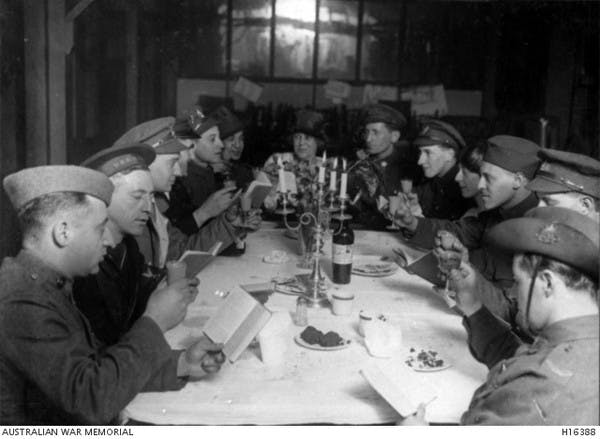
{"x": 231, "y": 130}
{"x": 308, "y": 137}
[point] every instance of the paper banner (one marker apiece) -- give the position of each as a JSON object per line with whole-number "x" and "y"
{"x": 248, "y": 89}
{"x": 426, "y": 100}
{"x": 375, "y": 93}
{"x": 337, "y": 91}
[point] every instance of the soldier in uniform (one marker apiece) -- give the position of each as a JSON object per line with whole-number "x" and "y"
{"x": 53, "y": 370}
{"x": 196, "y": 196}
{"x": 160, "y": 241}
{"x": 554, "y": 380}
{"x": 508, "y": 164}
{"x": 439, "y": 194}
{"x": 389, "y": 161}
{"x": 114, "y": 298}
{"x": 570, "y": 180}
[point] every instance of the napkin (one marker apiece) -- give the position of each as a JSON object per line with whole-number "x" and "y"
{"x": 382, "y": 338}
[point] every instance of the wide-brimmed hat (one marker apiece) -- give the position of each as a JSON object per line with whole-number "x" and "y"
{"x": 310, "y": 122}
{"x": 558, "y": 233}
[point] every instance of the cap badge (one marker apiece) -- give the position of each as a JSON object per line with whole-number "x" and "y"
{"x": 424, "y": 131}
{"x": 196, "y": 118}
{"x": 547, "y": 234}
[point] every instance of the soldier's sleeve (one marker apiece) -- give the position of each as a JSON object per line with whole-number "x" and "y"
{"x": 497, "y": 298}
{"x": 527, "y": 390}
{"x": 181, "y": 209}
{"x": 469, "y": 230}
{"x": 490, "y": 339}
{"x": 217, "y": 229}
{"x": 51, "y": 348}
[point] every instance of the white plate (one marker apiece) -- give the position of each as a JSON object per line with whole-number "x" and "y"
{"x": 374, "y": 268}
{"x": 418, "y": 368}
{"x": 317, "y": 347}
{"x": 431, "y": 369}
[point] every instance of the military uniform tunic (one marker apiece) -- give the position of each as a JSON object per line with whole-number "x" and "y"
{"x": 115, "y": 297}
{"x": 440, "y": 197}
{"x": 494, "y": 265}
{"x": 553, "y": 381}
{"x": 53, "y": 370}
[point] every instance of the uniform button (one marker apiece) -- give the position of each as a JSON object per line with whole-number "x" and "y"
{"x": 34, "y": 276}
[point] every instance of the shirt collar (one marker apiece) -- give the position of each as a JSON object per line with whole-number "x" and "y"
{"x": 42, "y": 272}
{"x": 519, "y": 210}
{"x": 575, "y": 328}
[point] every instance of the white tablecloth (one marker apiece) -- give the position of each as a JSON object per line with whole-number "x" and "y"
{"x": 316, "y": 386}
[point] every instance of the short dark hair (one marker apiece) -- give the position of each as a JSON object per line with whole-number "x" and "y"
{"x": 33, "y": 215}
{"x": 572, "y": 277}
{"x": 472, "y": 156}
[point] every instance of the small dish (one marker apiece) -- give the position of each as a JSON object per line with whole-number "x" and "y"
{"x": 426, "y": 361}
{"x": 317, "y": 347}
{"x": 374, "y": 268}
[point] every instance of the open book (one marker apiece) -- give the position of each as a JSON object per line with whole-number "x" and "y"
{"x": 402, "y": 390}
{"x": 426, "y": 267}
{"x": 237, "y": 321}
{"x": 258, "y": 190}
{"x": 196, "y": 261}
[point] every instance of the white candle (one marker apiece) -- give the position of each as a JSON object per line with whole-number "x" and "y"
{"x": 335, "y": 164}
{"x": 281, "y": 175}
{"x": 343, "y": 184}
{"x": 344, "y": 165}
{"x": 324, "y": 157}
{"x": 321, "y": 174}
{"x": 332, "y": 181}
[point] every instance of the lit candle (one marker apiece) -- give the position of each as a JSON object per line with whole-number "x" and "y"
{"x": 343, "y": 184}
{"x": 344, "y": 165}
{"x": 332, "y": 177}
{"x": 324, "y": 158}
{"x": 321, "y": 174}
{"x": 281, "y": 175}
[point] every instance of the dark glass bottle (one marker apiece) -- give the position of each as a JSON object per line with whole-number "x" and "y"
{"x": 342, "y": 253}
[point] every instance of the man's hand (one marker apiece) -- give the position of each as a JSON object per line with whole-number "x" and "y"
{"x": 417, "y": 418}
{"x": 403, "y": 217}
{"x": 449, "y": 251}
{"x": 465, "y": 280}
{"x": 167, "y": 306}
{"x": 201, "y": 358}
{"x": 214, "y": 205}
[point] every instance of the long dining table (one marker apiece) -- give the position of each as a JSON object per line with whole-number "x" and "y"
{"x": 315, "y": 386}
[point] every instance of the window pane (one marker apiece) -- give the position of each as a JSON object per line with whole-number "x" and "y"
{"x": 202, "y": 40}
{"x": 294, "y": 38}
{"x": 338, "y": 25}
{"x": 251, "y": 37}
{"x": 379, "y": 51}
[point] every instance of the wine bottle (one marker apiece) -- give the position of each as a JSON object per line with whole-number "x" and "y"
{"x": 342, "y": 253}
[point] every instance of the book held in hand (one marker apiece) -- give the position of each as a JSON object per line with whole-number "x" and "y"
{"x": 196, "y": 261}
{"x": 257, "y": 190}
{"x": 236, "y": 322}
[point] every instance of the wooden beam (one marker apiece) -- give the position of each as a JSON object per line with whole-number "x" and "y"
{"x": 57, "y": 89}
{"x": 131, "y": 69}
{"x": 36, "y": 86}
{"x": 76, "y": 10}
